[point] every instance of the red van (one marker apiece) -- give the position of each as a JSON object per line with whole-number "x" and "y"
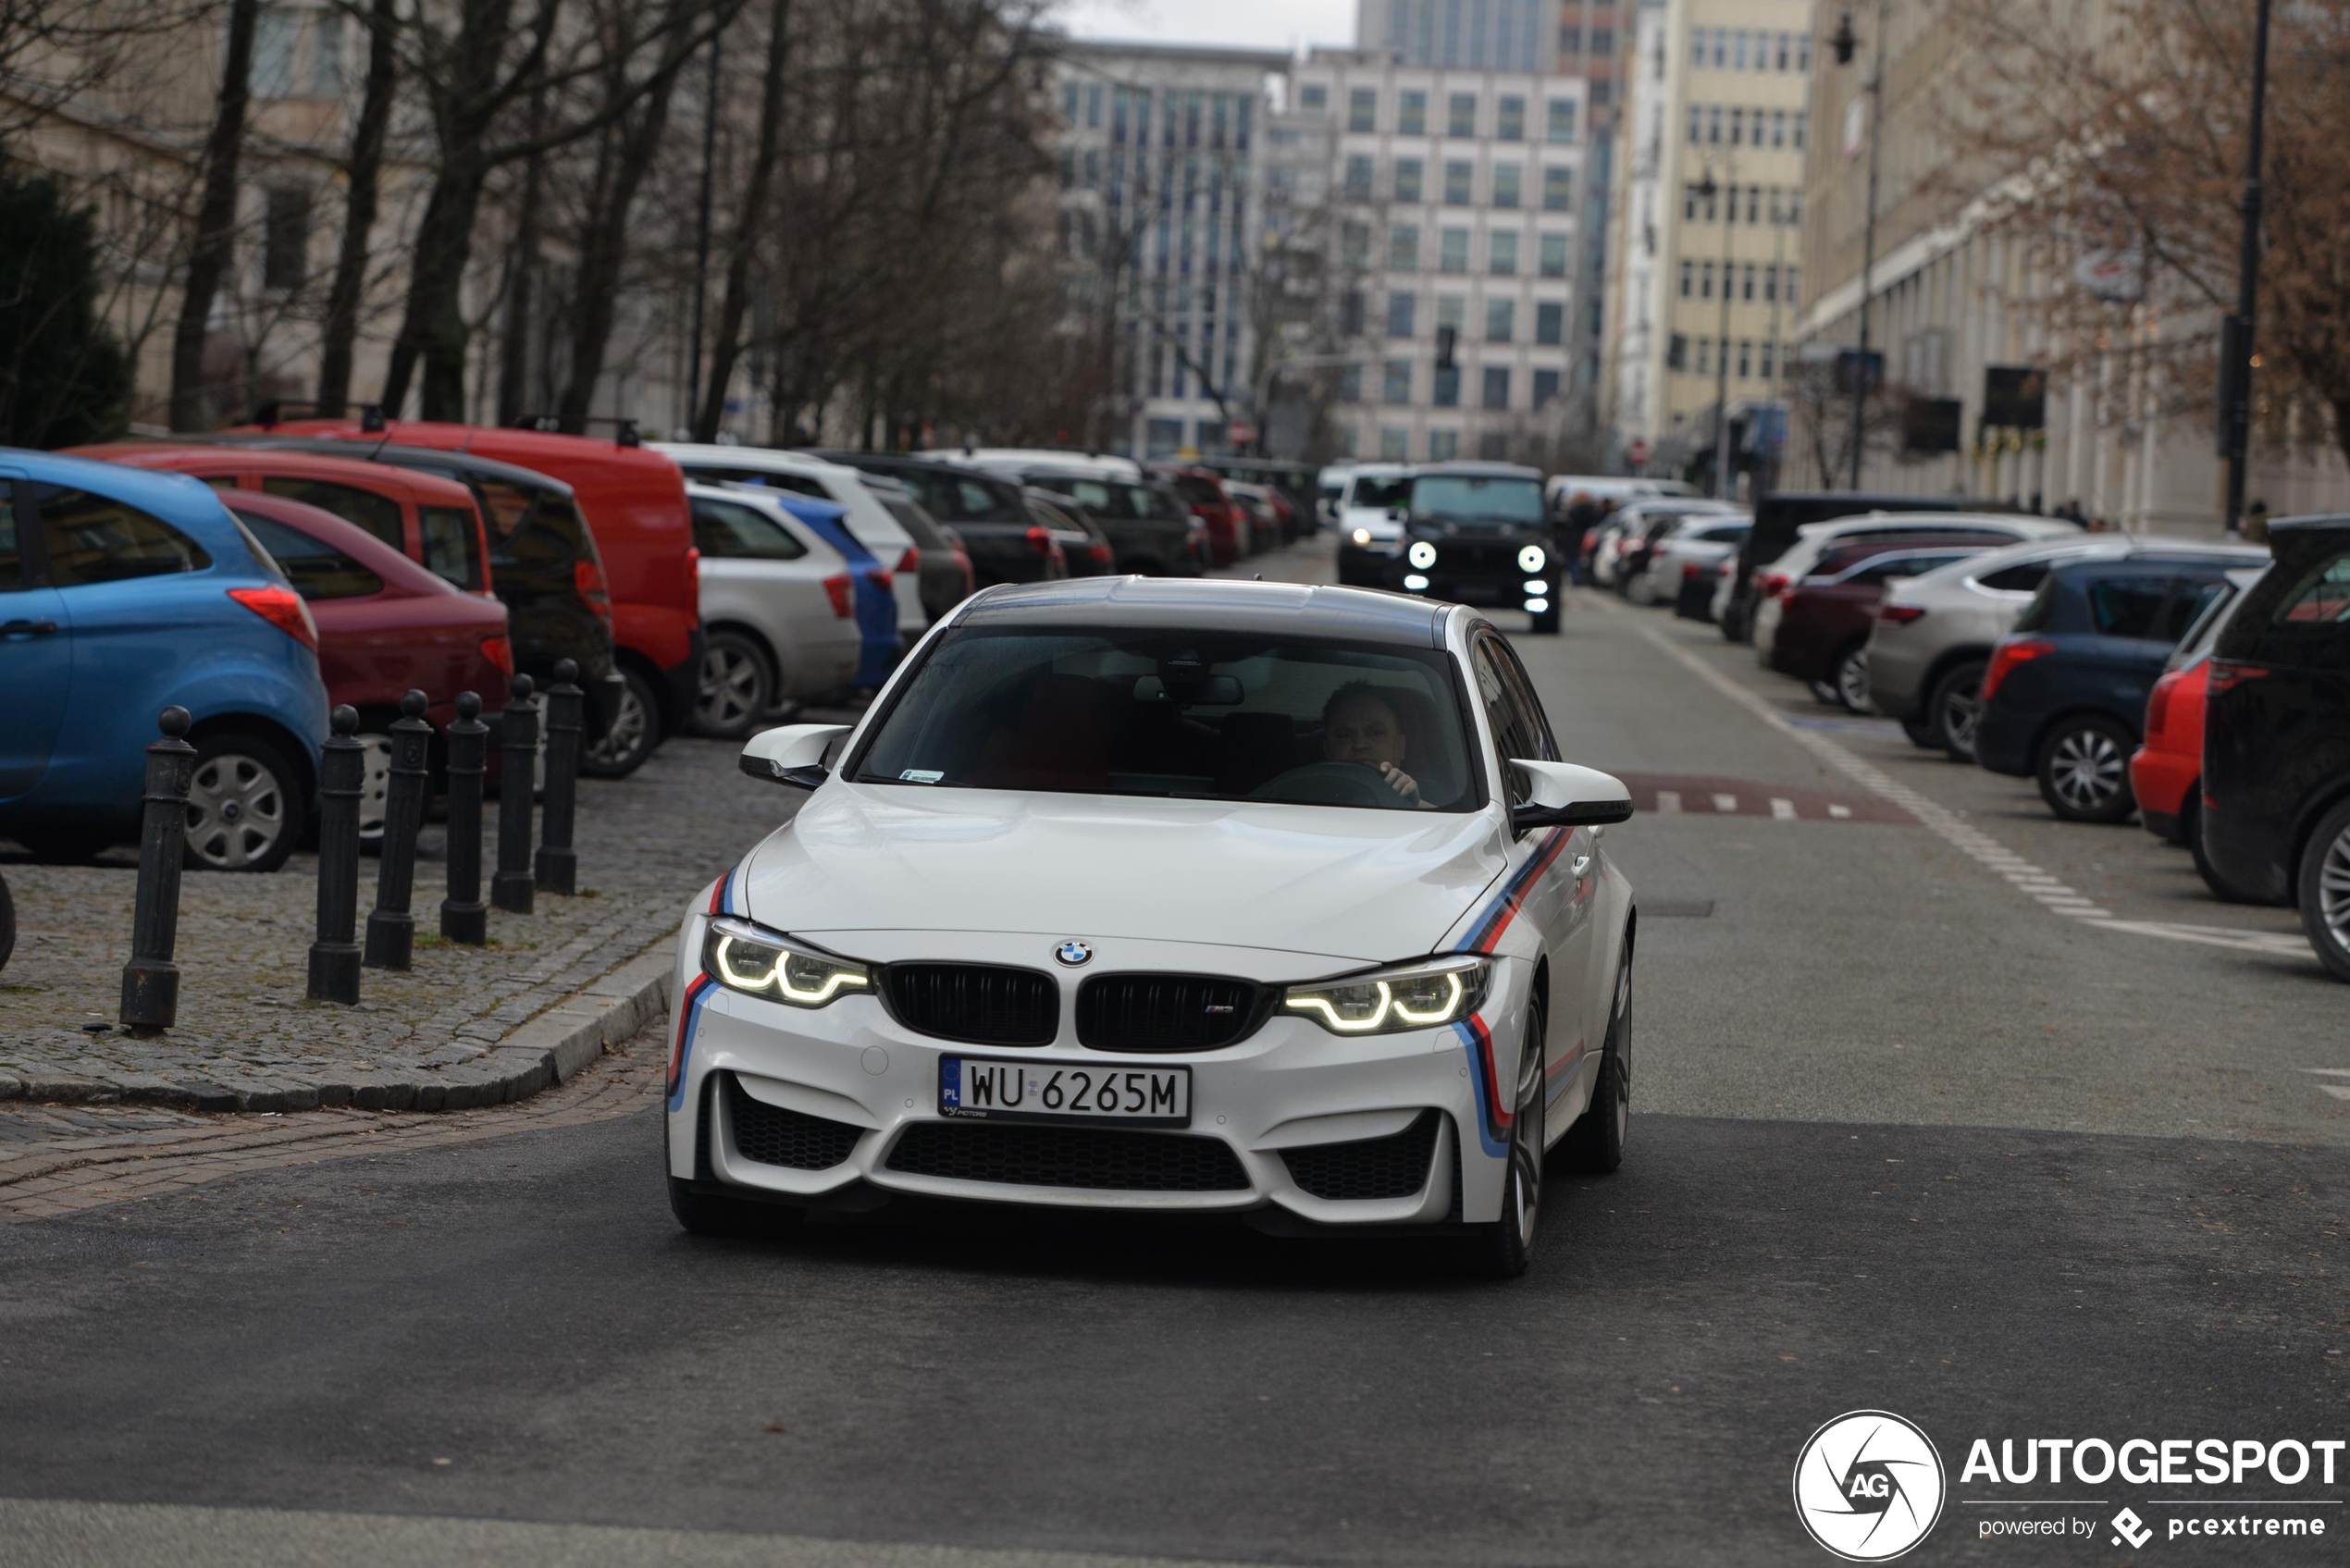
{"x": 635, "y": 504}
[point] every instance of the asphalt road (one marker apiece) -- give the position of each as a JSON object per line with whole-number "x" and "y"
{"x": 1909, "y": 1135}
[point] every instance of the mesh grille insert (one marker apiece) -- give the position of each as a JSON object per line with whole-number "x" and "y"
{"x": 771, "y": 1135}
{"x": 985, "y": 1003}
{"x": 1166, "y": 1012}
{"x": 1392, "y": 1166}
{"x": 1102, "y": 1158}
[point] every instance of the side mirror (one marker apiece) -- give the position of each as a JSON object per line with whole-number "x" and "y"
{"x": 1564, "y": 796}
{"x": 792, "y": 755}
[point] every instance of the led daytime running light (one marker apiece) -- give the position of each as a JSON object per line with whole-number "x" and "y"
{"x": 840, "y": 975}
{"x": 1464, "y": 989}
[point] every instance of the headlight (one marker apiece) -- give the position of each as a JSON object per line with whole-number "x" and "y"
{"x": 1531, "y": 557}
{"x": 759, "y": 963}
{"x": 1362, "y": 536}
{"x": 1422, "y": 554}
{"x": 1421, "y": 996}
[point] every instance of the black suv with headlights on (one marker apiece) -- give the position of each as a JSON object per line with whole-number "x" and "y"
{"x": 1479, "y": 533}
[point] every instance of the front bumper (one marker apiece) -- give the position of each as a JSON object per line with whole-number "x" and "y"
{"x": 1486, "y": 572}
{"x": 1289, "y": 1086}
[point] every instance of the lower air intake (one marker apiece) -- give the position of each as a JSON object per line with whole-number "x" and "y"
{"x": 1106, "y": 1159}
{"x": 767, "y": 1134}
{"x": 1392, "y": 1166}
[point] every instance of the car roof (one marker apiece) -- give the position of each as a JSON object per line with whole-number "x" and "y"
{"x": 1213, "y": 604}
{"x": 422, "y": 490}
{"x": 781, "y": 462}
{"x": 1473, "y": 470}
{"x": 154, "y": 490}
{"x": 473, "y": 466}
{"x": 2167, "y": 553}
{"x": 349, "y": 537}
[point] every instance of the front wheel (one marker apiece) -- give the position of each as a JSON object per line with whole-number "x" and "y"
{"x": 736, "y": 686}
{"x": 1954, "y": 708}
{"x": 1595, "y": 1143}
{"x": 1504, "y": 1248}
{"x": 1851, "y": 679}
{"x": 2324, "y": 889}
{"x": 2084, "y": 770}
{"x": 636, "y": 730}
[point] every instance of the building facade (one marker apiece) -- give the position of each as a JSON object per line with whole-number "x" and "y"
{"x": 1503, "y": 35}
{"x": 1162, "y": 174}
{"x": 1456, "y": 196}
{"x": 1707, "y": 275}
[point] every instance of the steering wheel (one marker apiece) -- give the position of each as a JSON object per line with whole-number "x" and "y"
{"x": 1329, "y": 783}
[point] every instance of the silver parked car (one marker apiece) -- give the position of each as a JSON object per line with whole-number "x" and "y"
{"x": 1686, "y": 551}
{"x": 778, "y": 612}
{"x": 1933, "y": 633}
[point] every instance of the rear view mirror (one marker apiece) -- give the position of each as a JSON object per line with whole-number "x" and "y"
{"x": 792, "y": 755}
{"x": 1564, "y": 796}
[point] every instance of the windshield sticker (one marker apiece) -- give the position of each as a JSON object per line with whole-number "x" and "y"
{"x": 923, "y": 776}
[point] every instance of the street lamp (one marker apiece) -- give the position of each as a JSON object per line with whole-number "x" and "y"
{"x": 1846, "y": 44}
{"x": 1706, "y": 191}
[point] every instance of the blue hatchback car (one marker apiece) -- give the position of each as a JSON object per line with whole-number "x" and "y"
{"x": 2065, "y": 693}
{"x": 124, "y": 592}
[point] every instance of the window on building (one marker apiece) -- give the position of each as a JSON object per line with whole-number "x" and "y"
{"x": 1394, "y": 443}
{"x": 1446, "y": 393}
{"x": 1697, "y": 48}
{"x": 1400, "y": 308}
{"x": 1553, "y": 263}
{"x": 1407, "y": 179}
{"x": 1778, "y": 127}
{"x": 1496, "y": 388}
{"x": 1501, "y": 320}
{"x": 1769, "y": 285}
{"x": 1509, "y": 119}
{"x": 1721, "y": 41}
{"x": 1094, "y": 105}
{"x": 1705, "y": 280}
{"x": 1794, "y": 292}
{"x": 1354, "y": 244}
{"x": 1737, "y": 127}
{"x": 1713, "y": 125}
{"x": 1688, "y": 278}
{"x": 1500, "y": 253}
{"x": 1766, "y": 368}
{"x": 1795, "y": 131}
{"x": 1782, "y": 43}
{"x": 1451, "y": 310}
{"x": 285, "y": 255}
{"x": 1755, "y": 203}
{"x": 1746, "y": 282}
{"x": 1359, "y": 168}
{"x": 1443, "y": 446}
{"x": 1350, "y": 383}
{"x": 1460, "y": 177}
{"x": 1509, "y": 182}
{"x": 1546, "y": 389}
{"x": 1361, "y": 108}
{"x": 1602, "y": 45}
{"x": 1550, "y": 322}
{"x": 1677, "y": 353}
{"x": 1350, "y": 312}
{"x": 1697, "y": 124}
{"x": 1459, "y": 114}
{"x": 1558, "y": 188}
{"x": 1403, "y": 248}
{"x": 1746, "y": 359}
{"x": 1453, "y": 251}
{"x": 1803, "y": 51}
{"x": 1395, "y": 381}
{"x": 1705, "y": 356}
{"x": 1737, "y": 50}
{"x": 1314, "y": 97}
{"x": 1411, "y": 114}
{"x": 1092, "y": 168}
{"x": 1558, "y": 122}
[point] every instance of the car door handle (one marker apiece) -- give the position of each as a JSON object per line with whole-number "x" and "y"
{"x": 1582, "y": 864}
{"x": 27, "y": 628}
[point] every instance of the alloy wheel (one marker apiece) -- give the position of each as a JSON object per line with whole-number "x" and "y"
{"x": 1960, "y": 711}
{"x": 731, "y": 680}
{"x": 375, "y": 785}
{"x": 2333, "y": 888}
{"x": 1623, "y": 1106}
{"x": 237, "y": 812}
{"x": 2086, "y": 769}
{"x": 1852, "y": 682}
{"x": 1526, "y": 1146}
{"x": 627, "y": 736}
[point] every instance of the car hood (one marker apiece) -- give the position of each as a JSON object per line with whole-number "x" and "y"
{"x": 1346, "y": 883}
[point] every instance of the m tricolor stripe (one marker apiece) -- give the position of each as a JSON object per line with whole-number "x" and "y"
{"x": 1486, "y": 935}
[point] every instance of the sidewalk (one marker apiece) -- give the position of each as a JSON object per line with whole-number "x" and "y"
{"x": 464, "y": 1027}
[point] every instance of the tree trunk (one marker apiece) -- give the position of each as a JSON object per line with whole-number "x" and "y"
{"x": 514, "y": 362}
{"x": 364, "y": 174}
{"x": 216, "y": 237}
{"x": 434, "y": 331}
{"x": 749, "y": 223}
{"x": 605, "y": 253}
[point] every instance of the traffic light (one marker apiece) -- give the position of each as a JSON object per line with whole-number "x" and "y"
{"x": 1446, "y": 337}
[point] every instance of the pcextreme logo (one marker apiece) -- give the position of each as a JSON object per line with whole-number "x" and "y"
{"x": 1869, "y": 1486}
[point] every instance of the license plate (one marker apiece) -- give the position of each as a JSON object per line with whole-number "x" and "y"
{"x": 1000, "y": 1091}
{"x": 1476, "y": 590}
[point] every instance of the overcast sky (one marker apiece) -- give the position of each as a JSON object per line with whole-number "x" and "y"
{"x": 1265, "y": 24}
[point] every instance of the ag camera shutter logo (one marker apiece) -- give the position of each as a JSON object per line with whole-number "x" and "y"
{"x": 1869, "y": 1486}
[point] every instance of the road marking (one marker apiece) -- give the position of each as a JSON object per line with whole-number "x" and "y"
{"x": 1668, "y": 802}
{"x": 2330, "y": 1072}
{"x": 1725, "y": 803}
{"x": 1839, "y": 811}
{"x": 1782, "y": 808}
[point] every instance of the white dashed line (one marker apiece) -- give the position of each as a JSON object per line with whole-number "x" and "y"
{"x": 1668, "y": 802}
{"x": 1725, "y": 803}
{"x": 1782, "y": 808}
{"x": 1839, "y": 811}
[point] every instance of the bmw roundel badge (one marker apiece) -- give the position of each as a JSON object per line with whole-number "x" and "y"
{"x": 1073, "y": 952}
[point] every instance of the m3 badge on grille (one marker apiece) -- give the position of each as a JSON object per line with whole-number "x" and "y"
{"x": 1073, "y": 952}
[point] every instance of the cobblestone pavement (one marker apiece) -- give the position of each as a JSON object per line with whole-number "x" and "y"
{"x": 60, "y": 1160}
{"x": 247, "y": 1038}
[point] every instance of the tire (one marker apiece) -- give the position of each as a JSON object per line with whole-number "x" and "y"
{"x": 1823, "y": 692}
{"x": 2323, "y": 887}
{"x": 374, "y": 785}
{"x": 8, "y": 923}
{"x": 1850, "y": 679}
{"x": 2191, "y": 829}
{"x": 1502, "y": 1249}
{"x": 1922, "y": 734}
{"x": 246, "y": 804}
{"x": 737, "y": 686}
{"x": 636, "y": 730}
{"x": 1640, "y": 591}
{"x": 1954, "y": 707}
{"x": 1545, "y": 624}
{"x": 714, "y": 1214}
{"x": 2084, "y": 769}
{"x": 1594, "y": 1144}
{"x": 1737, "y": 625}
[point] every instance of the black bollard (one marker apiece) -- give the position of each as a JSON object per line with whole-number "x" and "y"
{"x": 334, "y": 957}
{"x": 463, "y": 918}
{"x": 558, "y": 862}
{"x": 151, "y": 981}
{"x": 392, "y": 928}
{"x": 511, "y": 888}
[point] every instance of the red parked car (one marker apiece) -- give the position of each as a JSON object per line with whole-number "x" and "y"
{"x": 1823, "y": 634}
{"x": 635, "y": 504}
{"x": 1204, "y": 493}
{"x": 386, "y": 627}
{"x": 2166, "y": 772}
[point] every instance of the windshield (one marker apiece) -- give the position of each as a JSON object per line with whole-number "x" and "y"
{"x": 1179, "y": 714}
{"x": 1470, "y": 498}
{"x": 1383, "y": 493}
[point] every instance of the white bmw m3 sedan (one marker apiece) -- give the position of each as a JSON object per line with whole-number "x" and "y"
{"x": 1171, "y": 895}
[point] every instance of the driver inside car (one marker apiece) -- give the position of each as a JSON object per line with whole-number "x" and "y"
{"x": 1360, "y": 724}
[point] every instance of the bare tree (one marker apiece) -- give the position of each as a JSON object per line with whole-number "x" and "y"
{"x": 213, "y": 247}
{"x": 362, "y": 176}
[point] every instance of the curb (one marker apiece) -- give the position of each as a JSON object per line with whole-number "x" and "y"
{"x": 551, "y": 1048}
